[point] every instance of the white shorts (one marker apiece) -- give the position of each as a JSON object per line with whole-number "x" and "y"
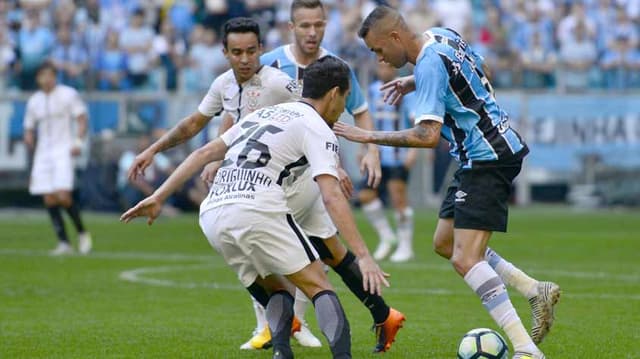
{"x": 256, "y": 243}
{"x": 51, "y": 172}
{"x": 305, "y": 202}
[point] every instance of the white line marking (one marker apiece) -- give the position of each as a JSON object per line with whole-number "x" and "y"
{"x": 137, "y": 276}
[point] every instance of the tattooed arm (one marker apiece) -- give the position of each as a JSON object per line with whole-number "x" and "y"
{"x": 424, "y": 134}
{"x": 184, "y": 130}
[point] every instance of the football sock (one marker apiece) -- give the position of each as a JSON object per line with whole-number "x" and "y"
{"x": 58, "y": 223}
{"x": 259, "y": 299}
{"x": 349, "y": 271}
{"x": 333, "y": 323}
{"x": 511, "y": 275}
{"x": 74, "y": 213}
{"x": 280, "y": 316}
{"x": 301, "y": 304}
{"x": 375, "y": 213}
{"x": 493, "y": 293}
{"x": 404, "y": 223}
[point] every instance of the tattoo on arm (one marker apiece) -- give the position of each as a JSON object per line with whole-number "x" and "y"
{"x": 183, "y": 131}
{"x": 425, "y": 134}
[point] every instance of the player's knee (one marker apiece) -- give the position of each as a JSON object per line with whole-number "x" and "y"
{"x": 462, "y": 264}
{"x": 442, "y": 246}
{"x": 367, "y": 196}
{"x": 65, "y": 201}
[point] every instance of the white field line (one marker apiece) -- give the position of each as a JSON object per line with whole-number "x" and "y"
{"x": 137, "y": 275}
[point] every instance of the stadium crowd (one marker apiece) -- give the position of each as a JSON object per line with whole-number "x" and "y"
{"x": 118, "y": 45}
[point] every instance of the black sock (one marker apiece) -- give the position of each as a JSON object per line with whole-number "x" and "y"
{"x": 74, "y": 213}
{"x": 333, "y": 323}
{"x": 58, "y": 223}
{"x": 259, "y": 293}
{"x": 350, "y": 273}
{"x": 279, "y": 316}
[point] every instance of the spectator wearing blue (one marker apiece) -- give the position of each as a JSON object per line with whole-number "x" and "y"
{"x": 35, "y": 43}
{"x": 112, "y": 66}
{"x": 578, "y": 55}
{"x": 70, "y": 59}
{"x": 137, "y": 40}
{"x": 538, "y": 64}
{"x": 535, "y": 23}
{"x": 619, "y": 64}
{"x": 206, "y": 60}
{"x": 170, "y": 49}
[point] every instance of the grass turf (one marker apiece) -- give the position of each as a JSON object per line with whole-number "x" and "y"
{"x": 162, "y": 292}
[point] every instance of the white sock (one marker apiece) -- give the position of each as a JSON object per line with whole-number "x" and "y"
{"x": 404, "y": 223}
{"x": 375, "y": 213}
{"x": 491, "y": 290}
{"x": 300, "y": 305}
{"x": 261, "y": 316}
{"x": 512, "y": 275}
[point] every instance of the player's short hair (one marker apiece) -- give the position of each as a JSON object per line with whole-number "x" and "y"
{"x": 379, "y": 13}
{"x": 323, "y": 75}
{"x": 46, "y": 65}
{"x": 239, "y": 25}
{"x": 304, "y": 4}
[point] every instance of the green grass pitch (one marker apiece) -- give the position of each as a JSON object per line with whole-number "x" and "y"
{"x": 162, "y": 292}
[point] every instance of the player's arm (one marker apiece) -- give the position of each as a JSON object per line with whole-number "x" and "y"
{"x": 29, "y": 126}
{"x": 340, "y": 212}
{"x": 424, "y": 134}
{"x": 152, "y": 205}
{"x": 395, "y": 89}
{"x": 184, "y": 130}
{"x": 209, "y": 172}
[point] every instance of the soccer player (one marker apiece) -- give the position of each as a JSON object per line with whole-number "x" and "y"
{"x": 51, "y": 112}
{"x": 396, "y": 163}
{"x": 454, "y": 99}
{"x": 303, "y": 195}
{"x": 246, "y": 216}
{"x": 307, "y": 23}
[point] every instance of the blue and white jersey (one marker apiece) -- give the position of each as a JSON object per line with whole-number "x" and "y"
{"x": 390, "y": 118}
{"x": 282, "y": 58}
{"x": 451, "y": 88}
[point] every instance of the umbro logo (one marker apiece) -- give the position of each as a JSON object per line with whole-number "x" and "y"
{"x": 460, "y": 196}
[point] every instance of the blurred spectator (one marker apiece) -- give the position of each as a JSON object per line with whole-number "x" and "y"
{"x": 70, "y": 60}
{"x": 620, "y": 63}
{"x": 170, "y": 49}
{"x": 206, "y": 60}
{"x": 622, "y": 28}
{"x": 112, "y": 66}
{"x": 92, "y": 32}
{"x": 535, "y": 23}
{"x": 538, "y": 64}
{"x": 131, "y": 192}
{"x": 566, "y": 27}
{"x": 137, "y": 41}
{"x": 7, "y": 57}
{"x": 420, "y": 16}
{"x": 577, "y": 55}
{"x": 603, "y": 16}
{"x": 262, "y": 11}
{"x": 64, "y": 12}
{"x": 181, "y": 15}
{"x": 454, "y": 14}
{"x": 34, "y": 46}
{"x": 502, "y": 61}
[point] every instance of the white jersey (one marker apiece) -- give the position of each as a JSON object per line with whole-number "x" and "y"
{"x": 53, "y": 114}
{"x": 263, "y": 147}
{"x": 269, "y": 86}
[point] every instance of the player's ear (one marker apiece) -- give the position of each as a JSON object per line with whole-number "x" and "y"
{"x": 291, "y": 25}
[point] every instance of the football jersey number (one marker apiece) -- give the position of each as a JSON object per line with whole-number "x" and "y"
{"x": 253, "y": 133}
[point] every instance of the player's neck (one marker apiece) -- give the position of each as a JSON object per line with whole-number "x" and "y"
{"x": 416, "y": 42}
{"x": 302, "y": 58}
{"x": 318, "y": 105}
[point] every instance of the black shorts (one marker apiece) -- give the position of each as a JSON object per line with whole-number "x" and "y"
{"x": 388, "y": 173}
{"x": 478, "y": 198}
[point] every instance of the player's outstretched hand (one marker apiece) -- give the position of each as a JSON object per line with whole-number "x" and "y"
{"x": 395, "y": 89}
{"x": 345, "y": 182}
{"x": 351, "y": 133}
{"x": 373, "y": 278}
{"x": 209, "y": 172}
{"x": 371, "y": 164}
{"x": 140, "y": 163}
{"x": 149, "y": 207}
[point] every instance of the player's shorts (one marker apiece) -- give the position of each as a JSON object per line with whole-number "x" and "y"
{"x": 257, "y": 243}
{"x": 478, "y": 198}
{"x": 306, "y": 205}
{"x": 51, "y": 172}
{"x": 388, "y": 173}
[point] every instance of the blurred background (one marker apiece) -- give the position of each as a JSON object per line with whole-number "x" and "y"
{"x": 567, "y": 72}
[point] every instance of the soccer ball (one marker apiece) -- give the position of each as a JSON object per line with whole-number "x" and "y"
{"x": 482, "y": 343}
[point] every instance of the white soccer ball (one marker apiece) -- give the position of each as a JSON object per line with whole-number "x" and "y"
{"x": 483, "y": 343}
